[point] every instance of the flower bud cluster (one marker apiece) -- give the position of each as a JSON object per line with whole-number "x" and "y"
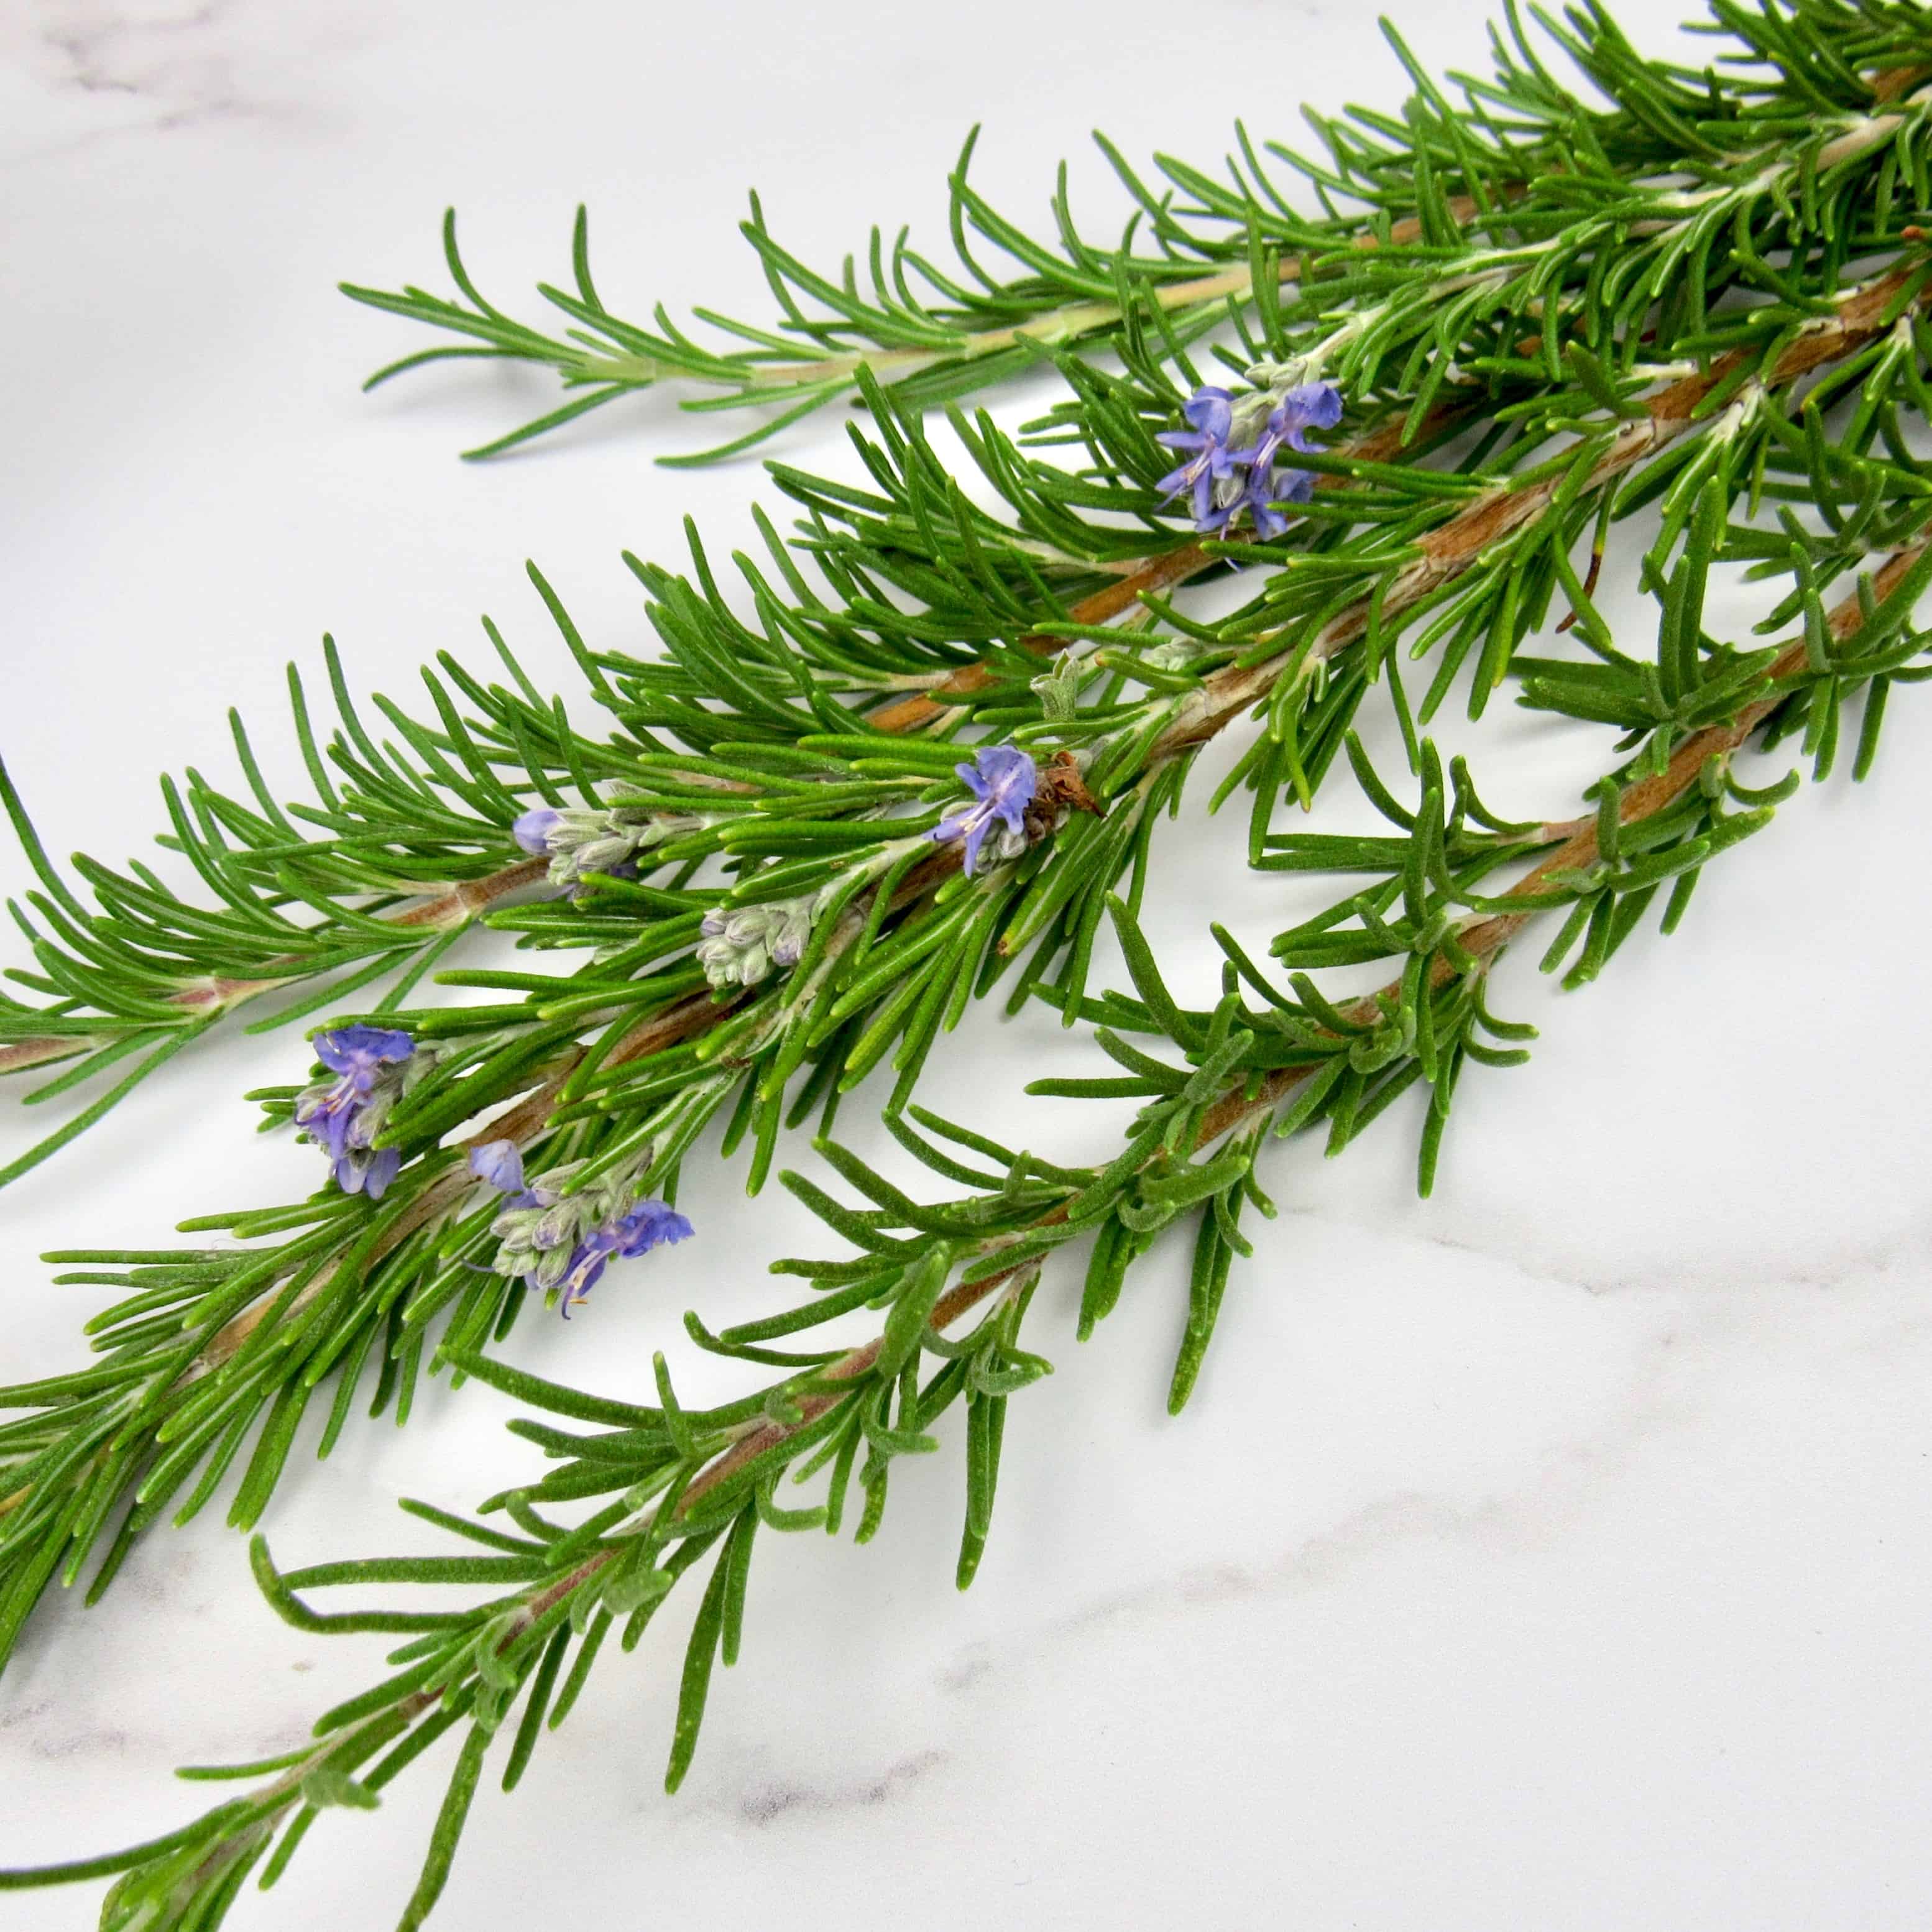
{"x": 608, "y": 839}
{"x": 561, "y": 1244}
{"x": 540, "y": 1223}
{"x": 740, "y": 945}
{"x": 374, "y": 1067}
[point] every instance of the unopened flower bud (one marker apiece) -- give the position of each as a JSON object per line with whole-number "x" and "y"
{"x": 741, "y": 944}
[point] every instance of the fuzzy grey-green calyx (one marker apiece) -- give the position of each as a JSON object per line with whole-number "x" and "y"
{"x": 579, "y": 840}
{"x": 544, "y": 1219}
{"x": 743, "y": 945}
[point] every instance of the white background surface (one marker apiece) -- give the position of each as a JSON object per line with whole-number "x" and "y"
{"x": 1553, "y": 1554}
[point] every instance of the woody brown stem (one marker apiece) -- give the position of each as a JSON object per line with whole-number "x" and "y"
{"x": 460, "y": 903}
{"x": 38, "y": 1051}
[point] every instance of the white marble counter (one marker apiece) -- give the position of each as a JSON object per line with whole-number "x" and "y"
{"x": 1553, "y": 1554}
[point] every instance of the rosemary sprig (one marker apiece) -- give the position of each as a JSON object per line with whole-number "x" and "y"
{"x": 1544, "y": 317}
{"x": 787, "y": 794}
{"x": 684, "y": 1484}
{"x": 1517, "y": 172}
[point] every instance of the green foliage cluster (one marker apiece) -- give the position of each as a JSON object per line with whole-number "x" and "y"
{"x": 1704, "y": 296}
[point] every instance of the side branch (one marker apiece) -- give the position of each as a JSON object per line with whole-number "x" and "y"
{"x": 1455, "y": 545}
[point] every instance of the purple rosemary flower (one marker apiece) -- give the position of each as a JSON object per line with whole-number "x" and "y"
{"x": 532, "y": 829}
{"x": 500, "y": 1164}
{"x": 344, "y": 1116}
{"x": 1312, "y": 406}
{"x": 649, "y": 1224}
{"x": 1002, "y": 780}
{"x": 1210, "y": 414}
{"x": 561, "y": 1244}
